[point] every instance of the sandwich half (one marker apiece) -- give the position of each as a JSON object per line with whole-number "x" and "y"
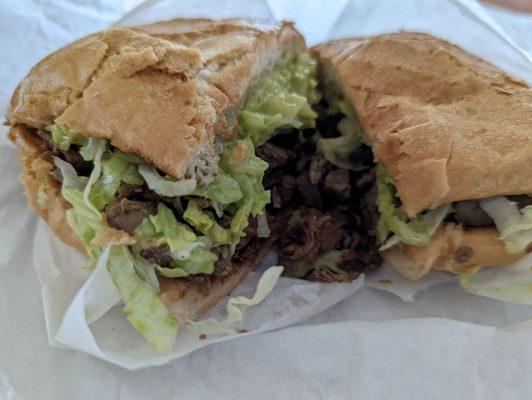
{"x": 445, "y": 140}
{"x": 141, "y": 143}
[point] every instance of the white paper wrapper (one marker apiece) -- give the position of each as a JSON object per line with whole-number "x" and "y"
{"x": 362, "y": 335}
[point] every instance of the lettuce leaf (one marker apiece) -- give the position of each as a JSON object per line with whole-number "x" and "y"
{"x": 432, "y": 220}
{"x": 338, "y": 150}
{"x": 95, "y": 174}
{"x": 513, "y": 283}
{"x": 206, "y": 224}
{"x": 86, "y": 222}
{"x": 411, "y": 231}
{"x": 189, "y": 252}
{"x": 145, "y": 311}
{"x": 237, "y": 306}
{"x": 281, "y": 98}
{"x": 116, "y": 167}
{"x": 222, "y": 190}
{"x": 514, "y": 225}
{"x": 71, "y": 179}
{"x": 64, "y": 139}
{"x": 330, "y": 260}
{"x": 248, "y": 174}
{"x": 166, "y": 186}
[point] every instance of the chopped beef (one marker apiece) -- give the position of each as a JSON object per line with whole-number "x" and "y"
{"x": 307, "y": 234}
{"x": 317, "y": 207}
{"x": 82, "y": 167}
{"x": 310, "y": 193}
{"x": 71, "y": 156}
{"x": 522, "y": 200}
{"x": 337, "y": 185}
{"x": 274, "y": 155}
{"x": 470, "y": 214}
{"x": 127, "y": 214}
{"x": 130, "y": 191}
{"x": 158, "y": 255}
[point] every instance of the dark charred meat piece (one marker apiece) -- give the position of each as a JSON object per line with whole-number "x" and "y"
{"x": 522, "y": 200}
{"x": 370, "y": 213}
{"x": 310, "y": 193}
{"x": 470, "y": 214}
{"x": 328, "y": 208}
{"x": 130, "y": 191}
{"x": 365, "y": 180}
{"x": 362, "y": 158}
{"x": 308, "y": 234}
{"x": 337, "y": 185}
{"x": 160, "y": 255}
{"x": 82, "y": 167}
{"x": 274, "y": 155}
{"x": 127, "y": 214}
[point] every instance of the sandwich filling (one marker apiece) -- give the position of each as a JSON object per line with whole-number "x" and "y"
{"x": 511, "y": 215}
{"x": 160, "y": 227}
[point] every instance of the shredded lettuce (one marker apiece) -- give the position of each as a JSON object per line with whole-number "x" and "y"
{"x": 86, "y": 222}
{"x": 330, "y": 260}
{"x": 411, "y": 231}
{"x": 64, "y": 139}
{"x": 116, "y": 167}
{"x": 100, "y": 147}
{"x": 145, "y": 311}
{"x": 71, "y": 179}
{"x": 166, "y": 186}
{"x": 432, "y": 220}
{"x": 206, "y": 224}
{"x": 339, "y": 149}
{"x": 248, "y": 174}
{"x": 513, "y": 283}
{"x": 514, "y": 225}
{"x": 281, "y": 98}
{"x": 91, "y": 148}
{"x": 222, "y": 190}
{"x": 189, "y": 252}
{"x": 237, "y": 306}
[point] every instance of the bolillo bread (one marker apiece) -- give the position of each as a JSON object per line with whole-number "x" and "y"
{"x": 123, "y": 84}
{"x": 163, "y": 92}
{"x": 447, "y": 125}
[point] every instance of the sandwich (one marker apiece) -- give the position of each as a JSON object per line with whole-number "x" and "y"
{"x": 443, "y": 138}
{"x": 181, "y": 152}
{"x": 140, "y": 144}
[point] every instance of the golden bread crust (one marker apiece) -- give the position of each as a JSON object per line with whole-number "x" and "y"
{"x": 162, "y": 91}
{"x": 447, "y": 125}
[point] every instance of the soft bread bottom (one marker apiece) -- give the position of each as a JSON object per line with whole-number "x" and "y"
{"x": 453, "y": 249}
{"x": 185, "y": 299}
